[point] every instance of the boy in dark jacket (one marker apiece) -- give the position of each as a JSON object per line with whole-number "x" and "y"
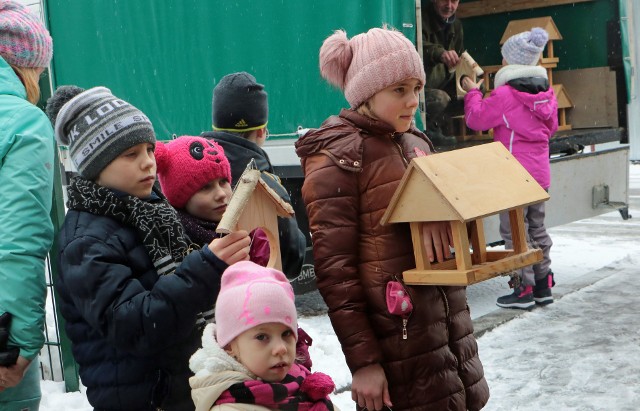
{"x": 131, "y": 285}
{"x": 240, "y": 115}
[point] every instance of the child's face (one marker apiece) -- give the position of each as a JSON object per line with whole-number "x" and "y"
{"x": 133, "y": 171}
{"x": 267, "y": 350}
{"x": 210, "y": 202}
{"x": 397, "y": 104}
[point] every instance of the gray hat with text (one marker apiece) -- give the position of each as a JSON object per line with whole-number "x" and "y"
{"x": 98, "y": 126}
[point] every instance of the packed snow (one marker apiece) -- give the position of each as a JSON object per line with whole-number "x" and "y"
{"x": 576, "y": 354}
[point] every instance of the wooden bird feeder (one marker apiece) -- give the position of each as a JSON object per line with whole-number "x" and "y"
{"x": 564, "y": 103}
{"x": 462, "y": 187}
{"x": 255, "y": 205}
{"x": 468, "y": 67}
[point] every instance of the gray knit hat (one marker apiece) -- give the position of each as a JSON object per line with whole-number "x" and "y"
{"x": 98, "y": 126}
{"x": 239, "y": 103}
{"x": 525, "y": 48}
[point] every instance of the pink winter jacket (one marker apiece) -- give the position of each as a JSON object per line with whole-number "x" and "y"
{"x": 521, "y": 121}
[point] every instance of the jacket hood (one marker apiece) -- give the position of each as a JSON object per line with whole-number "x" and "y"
{"x": 10, "y": 84}
{"x": 333, "y": 138}
{"x": 542, "y": 104}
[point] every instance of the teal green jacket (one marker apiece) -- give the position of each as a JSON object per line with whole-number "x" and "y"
{"x": 26, "y": 231}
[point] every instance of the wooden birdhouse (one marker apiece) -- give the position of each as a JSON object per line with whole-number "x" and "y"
{"x": 255, "y": 205}
{"x": 564, "y": 103}
{"x": 462, "y": 187}
{"x": 466, "y": 67}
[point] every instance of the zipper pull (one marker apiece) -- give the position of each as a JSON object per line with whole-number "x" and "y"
{"x": 404, "y": 328}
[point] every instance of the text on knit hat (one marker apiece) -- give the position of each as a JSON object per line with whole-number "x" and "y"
{"x": 98, "y": 126}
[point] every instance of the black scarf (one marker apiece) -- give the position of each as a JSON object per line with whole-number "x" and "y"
{"x": 155, "y": 220}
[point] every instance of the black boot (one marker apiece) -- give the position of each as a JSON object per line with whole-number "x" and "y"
{"x": 542, "y": 291}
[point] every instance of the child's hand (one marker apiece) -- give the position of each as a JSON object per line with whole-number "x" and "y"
{"x": 438, "y": 237}
{"x": 468, "y": 84}
{"x": 232, "y": 248}
{"x": 369, "y": 388}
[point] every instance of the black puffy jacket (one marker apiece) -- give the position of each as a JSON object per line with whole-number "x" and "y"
{"x": 132, "y": 331}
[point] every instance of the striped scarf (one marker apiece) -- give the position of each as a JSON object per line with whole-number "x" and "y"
{"x": 300, "y": 390}
{"x": 155, "y": 220}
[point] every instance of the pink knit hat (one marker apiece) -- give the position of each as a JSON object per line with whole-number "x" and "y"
{"x": 24, "y": 41}
{"x": 251, "y": 295}
{"x": 369, "y": 62}
{"x": 187, "y": 164}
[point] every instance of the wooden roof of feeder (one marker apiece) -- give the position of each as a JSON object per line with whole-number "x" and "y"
{"x": 250, "y": 183}
{"x": 518, "y": 26}
{"x": 463, "y": 185}
{"x": 564, "y": 101}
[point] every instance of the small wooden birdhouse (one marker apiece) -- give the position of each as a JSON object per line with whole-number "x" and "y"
{"x": 255, "y": 205}
{"x": 468, "y": 67}
{"x": 462, "y": 187}
{"x": 564, "y": 104}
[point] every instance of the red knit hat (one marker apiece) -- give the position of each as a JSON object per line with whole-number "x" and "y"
{"x": 369, "y": 62}
{"x": 187, "y": 164}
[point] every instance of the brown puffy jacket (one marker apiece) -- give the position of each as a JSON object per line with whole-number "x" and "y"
{"x": 352, "y": 166}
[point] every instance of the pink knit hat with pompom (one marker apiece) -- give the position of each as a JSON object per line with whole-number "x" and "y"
{"x": 187, "y": 164}
{"x": 251, "y": 295}
{"x": 369, "y": 62}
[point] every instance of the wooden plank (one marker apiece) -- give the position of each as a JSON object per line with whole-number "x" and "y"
{"x": 461, "y": 245}
{"x": 476, "y": 274}
{"x": 485, "y": 7}
{"x": 478, "y": 242}
{"x": 593, "y": 95}
{"x": 518, "y": 235}
{"x": 419, "y": 252}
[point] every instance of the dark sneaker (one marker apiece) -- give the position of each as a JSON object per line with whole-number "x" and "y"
{"x": 522, "y": 298}
{"x": 542, "y": 291}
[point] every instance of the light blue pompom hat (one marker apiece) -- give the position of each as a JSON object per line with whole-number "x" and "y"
{"x": 525, "y": 48}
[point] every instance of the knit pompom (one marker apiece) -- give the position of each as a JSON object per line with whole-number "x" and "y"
{"x": 539, "y": 36}
{"x": 335, "y": 58}
{"x": 61, "y": 96}
{"x": 162, "y": 157}
{"x": 317, "y": 386}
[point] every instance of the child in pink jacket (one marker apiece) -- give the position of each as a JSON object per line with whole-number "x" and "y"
{"x": 522, "y": 110}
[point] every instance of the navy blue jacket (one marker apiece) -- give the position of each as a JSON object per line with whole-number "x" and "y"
{"x": 240, "y": 151}
{"x": 133, "y": 331}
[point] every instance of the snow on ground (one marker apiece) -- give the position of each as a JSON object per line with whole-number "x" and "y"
{"x": 576, "y": 354}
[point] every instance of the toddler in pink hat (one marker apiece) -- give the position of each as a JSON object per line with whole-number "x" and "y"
{"x": 248, "y": 360}
{"x": 195, "y": 176}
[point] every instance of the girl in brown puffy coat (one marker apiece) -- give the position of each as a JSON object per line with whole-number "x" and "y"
{"x": 424, "y": 357}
